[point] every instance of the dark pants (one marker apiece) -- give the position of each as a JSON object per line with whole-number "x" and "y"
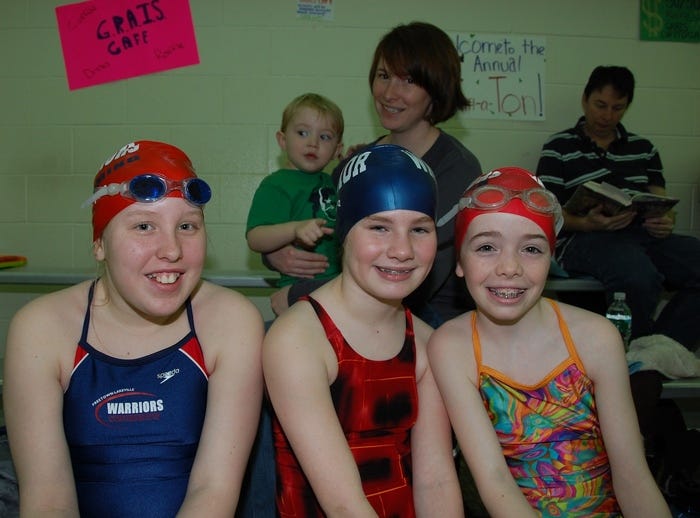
{"x": 642, "y": 266}
{"x": 258, "y": 491}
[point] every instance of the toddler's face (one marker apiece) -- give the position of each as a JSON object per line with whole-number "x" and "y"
{"x": 310, "y": 141}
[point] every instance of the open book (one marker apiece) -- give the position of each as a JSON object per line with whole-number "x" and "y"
{"x": 615, "y": 200}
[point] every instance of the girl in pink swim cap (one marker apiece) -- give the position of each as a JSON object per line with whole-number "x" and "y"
{"x": 537, "y": 391}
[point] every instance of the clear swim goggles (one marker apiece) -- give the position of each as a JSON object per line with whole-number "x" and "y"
{"x": 492, "y": 197}
{"x": 151, "y": 187}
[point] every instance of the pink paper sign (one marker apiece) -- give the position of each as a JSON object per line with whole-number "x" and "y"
{"x": 109, "y": 40}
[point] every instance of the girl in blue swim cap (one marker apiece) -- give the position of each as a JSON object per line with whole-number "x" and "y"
{"x": 360, "y": 426}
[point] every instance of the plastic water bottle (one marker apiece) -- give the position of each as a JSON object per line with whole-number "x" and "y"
{"x": 619, "y": 314}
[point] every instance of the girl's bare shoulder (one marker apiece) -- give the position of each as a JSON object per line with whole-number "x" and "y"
{"x": 218, "y": 301}
{"x": 422, "y": 332}
{"x": 45, "y": 333}
{"x": 591, "y": 333}
{"x": 58, "y": 309}
{"x": 459, "y": 327}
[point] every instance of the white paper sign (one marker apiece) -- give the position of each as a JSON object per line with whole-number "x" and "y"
{"x": 503, "y": 75}
{"x": 315, "y": 9}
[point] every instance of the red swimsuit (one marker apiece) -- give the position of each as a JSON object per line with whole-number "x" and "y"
{"x": 377, "y": 405}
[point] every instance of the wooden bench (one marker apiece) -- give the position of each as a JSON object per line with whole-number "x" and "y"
{"x": 583, "y": 292}
{"x": 681, "y": 388}
{"x": 27, "y": 275}
{"x": 231, "y": 278}
{"x": 557, "y": 284}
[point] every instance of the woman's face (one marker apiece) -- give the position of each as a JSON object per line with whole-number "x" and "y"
{"x": 389, "y": 254}
{"x": 154, "y": 254}
{"x": 400, "y": 103}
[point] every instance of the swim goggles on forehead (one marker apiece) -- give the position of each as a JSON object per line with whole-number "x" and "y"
{"x": 491, "y": 197}
{"x": 147, "y": 188}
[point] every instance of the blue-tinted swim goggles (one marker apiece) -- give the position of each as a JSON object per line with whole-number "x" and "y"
{"x": 151, "y": 187}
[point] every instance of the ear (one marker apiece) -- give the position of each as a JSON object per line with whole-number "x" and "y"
{"x": 428, "y": 115}
{"x": 98, "y": 249}
{"x": 584, "y": 99}
{"x": 339, "y": 151}
{"x": 458, "y": 269}
{"x": 281, "y": 140}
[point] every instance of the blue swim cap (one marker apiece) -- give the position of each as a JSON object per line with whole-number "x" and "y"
{"x": 383, "y": 177}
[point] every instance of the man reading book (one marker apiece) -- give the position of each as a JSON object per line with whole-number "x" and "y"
{"x": 625, "y": 251}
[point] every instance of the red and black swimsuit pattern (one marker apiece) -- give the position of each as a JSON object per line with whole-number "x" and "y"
{"x": 377, "y": 405}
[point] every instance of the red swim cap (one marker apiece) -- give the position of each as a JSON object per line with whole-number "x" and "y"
{"x": 134, "y": 159}
{"x": 515, "y": 191}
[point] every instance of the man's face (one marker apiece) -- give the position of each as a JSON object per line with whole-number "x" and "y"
{"x": 603, "y": 110}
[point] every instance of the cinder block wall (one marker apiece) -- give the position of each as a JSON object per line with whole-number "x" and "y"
{"x": 256, "y": 56}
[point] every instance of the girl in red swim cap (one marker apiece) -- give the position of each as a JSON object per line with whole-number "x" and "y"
{"x": 537, "y": 391}
{"x": 137, "y": 393}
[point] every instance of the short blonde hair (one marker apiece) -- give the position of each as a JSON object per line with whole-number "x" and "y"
{"x": 321, "y": 104}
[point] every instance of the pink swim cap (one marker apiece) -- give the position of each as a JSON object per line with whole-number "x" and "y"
{"x": 512, "y": 190}
{"x": 134, "y": 159}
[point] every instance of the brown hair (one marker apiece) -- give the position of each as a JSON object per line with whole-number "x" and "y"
{"x": 426, "y": 54}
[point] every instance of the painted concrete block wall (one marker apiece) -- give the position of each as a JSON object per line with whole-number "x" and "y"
{"x": 256, "y": 56}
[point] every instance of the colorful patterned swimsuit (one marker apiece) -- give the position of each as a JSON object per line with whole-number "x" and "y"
{"x": 377, "y": 405}
{"x": 551, "y": 436}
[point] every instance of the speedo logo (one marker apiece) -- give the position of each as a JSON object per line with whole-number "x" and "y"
{"x": 165, "y": 376}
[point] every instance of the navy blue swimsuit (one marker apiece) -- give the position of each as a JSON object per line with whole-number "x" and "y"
{"x": 133, "y": 426}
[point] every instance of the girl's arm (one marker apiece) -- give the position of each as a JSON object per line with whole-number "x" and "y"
{"x": 436, "y": 490}
{"x": 33, "y": 403}
{"x": 230, "y": 329}
{"x": 452, "y": 362}
{"x": 298, "y": 364}
{"x": 602, "y": 353}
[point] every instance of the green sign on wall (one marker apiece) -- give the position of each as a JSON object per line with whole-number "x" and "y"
{"x": 669, "y": 20}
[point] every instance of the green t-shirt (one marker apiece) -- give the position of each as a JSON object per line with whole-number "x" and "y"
{"x": 292, "y": 195}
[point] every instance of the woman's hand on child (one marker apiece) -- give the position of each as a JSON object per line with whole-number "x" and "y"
{"x": 296, "y": 262}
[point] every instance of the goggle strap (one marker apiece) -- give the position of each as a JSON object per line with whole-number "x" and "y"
{"x": 106, "y": 190}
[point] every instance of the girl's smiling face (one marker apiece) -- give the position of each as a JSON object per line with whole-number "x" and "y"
{"x": 504, "y": 260}
{"x": 388, "y": 254}
{"x": 154, "y": 254}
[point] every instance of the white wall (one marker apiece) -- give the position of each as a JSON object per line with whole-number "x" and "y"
{"x": 256, "y": 56}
